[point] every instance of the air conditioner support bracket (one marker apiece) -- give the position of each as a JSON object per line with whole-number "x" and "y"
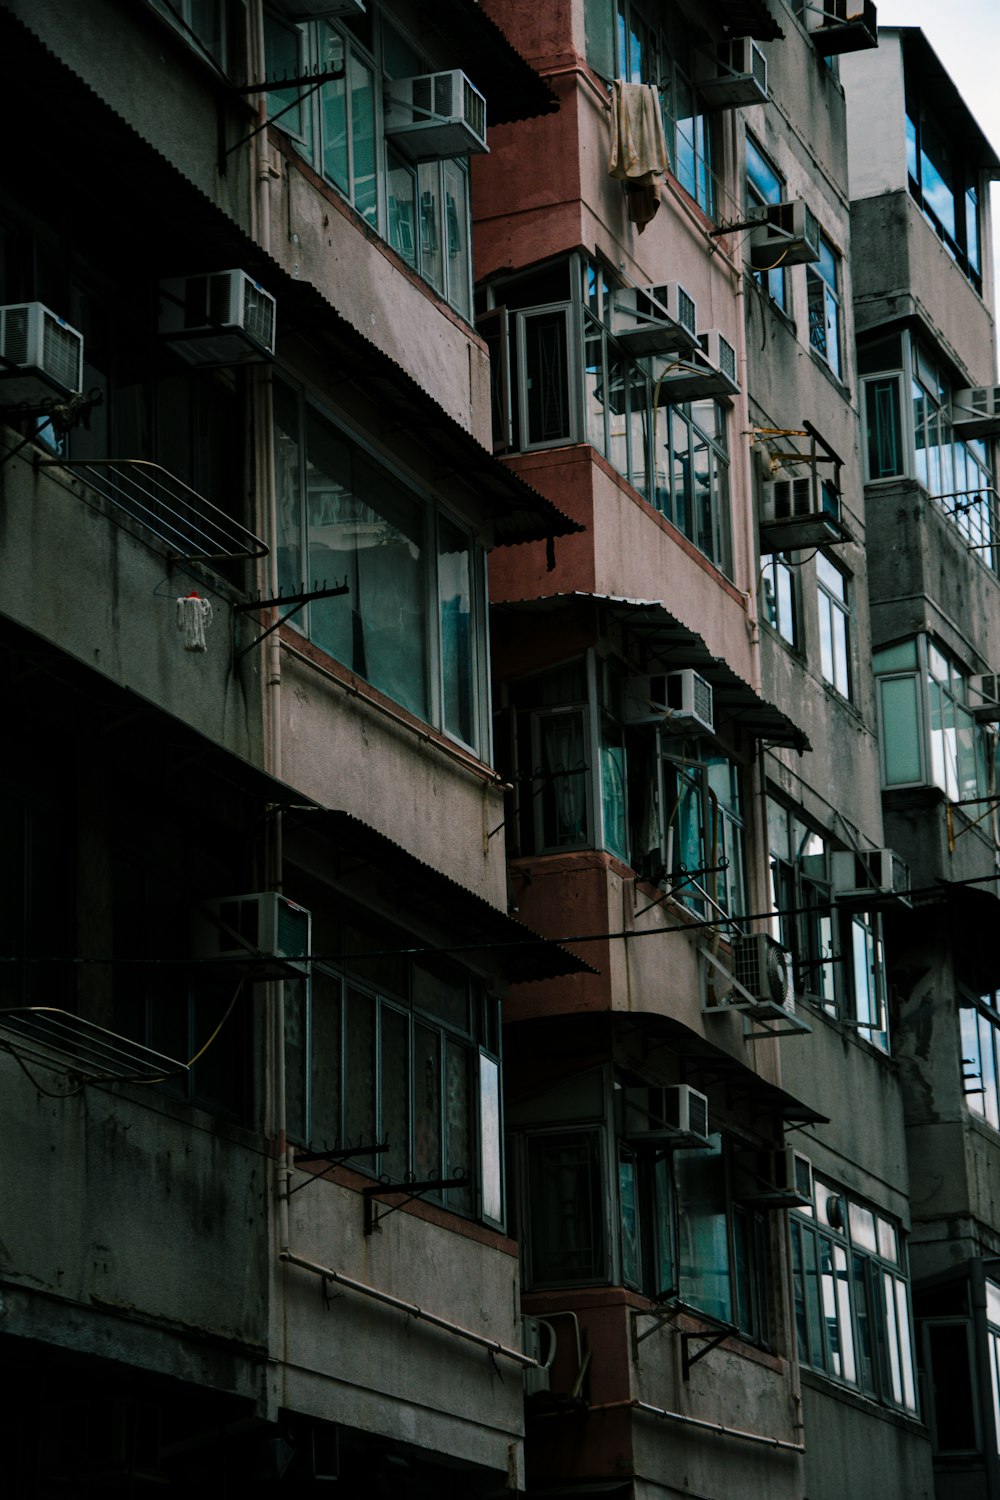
{"x": 298, "y": 601}
{"x": 332, "y": 1159}
{"x": 408, "y": 1190}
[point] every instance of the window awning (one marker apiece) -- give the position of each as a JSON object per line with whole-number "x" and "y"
{"x": 164, "y": 223}
{"x": 514, "y": 91}
{"x": 667, "y": 640}
{"x": 173, "y": 754}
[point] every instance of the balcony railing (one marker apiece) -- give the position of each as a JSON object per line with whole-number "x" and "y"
{"x": 189, "y": 526}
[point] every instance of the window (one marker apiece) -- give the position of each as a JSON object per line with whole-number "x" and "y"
{"x": 664, "y": 1223}
{"x": 703, "y": 840}
{"x": 913, "y": 435}
{"x": 413, "y": 622}
{"x": 851, "y": 1297}
{"x": 823, "y": 298}
{"x": 780, "y": 582}
{"x": 834, "y": 625}
{"x": 396, "y": 1049}
{"x": 928, "y": 735}
{"x": 560, "y": 376}
{"x": 214, "y": 28}
{"x": 657, "y": 45}
{"x": 765, "y": 186}
{"x": 979, "y": 1021}
{"x": 422, "y": 210}
{"x": 943, "y": 180}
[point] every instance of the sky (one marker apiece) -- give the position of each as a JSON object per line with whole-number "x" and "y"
{"x": 965, "y": 34}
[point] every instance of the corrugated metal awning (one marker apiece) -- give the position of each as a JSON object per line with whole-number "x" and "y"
{"x": 675, "y": 645}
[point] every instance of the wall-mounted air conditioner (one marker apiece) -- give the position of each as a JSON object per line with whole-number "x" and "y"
{"x": 732, "y": 73}
{"x": 435, "y": 115}
{"x": 975, "y": 411}
{"x": 875, "y": 876}
{"x": 40, "y": 355}
{"x": 682, "y": 697}
{"x": 781, "y": 1178}
{"x": 760, "y": 968}
{"x": 709, "y": 370}
{"x": 217, "y": 318}
{"x": 838, "y": 26}
{"x": 260, "y": 924}
{"x": 655, "y": 319}
{"x": 677, "y": 1114}
{"x": 799, "y": 510}
{"x": 984, "y": 698}
{"x": 785, "y": 234}
{"x": 538, "y": 1339}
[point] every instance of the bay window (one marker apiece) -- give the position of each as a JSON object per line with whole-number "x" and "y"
{"x": 413, "y": 621}
{"x": 823, "y": 293}
{"x": 929, "y": 736}
{"x": 943, "y": 180}
{"x": 560, "y": 376}
{"x": 703, "y": 828}
{"x": 398, "y": 1050}
{"x": 851, "y": 1297}
{"x": 421, "y": 209}
{"x": 907, "y": 400}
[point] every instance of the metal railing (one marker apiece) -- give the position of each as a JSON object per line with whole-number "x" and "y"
{"x": 191, "y": 527}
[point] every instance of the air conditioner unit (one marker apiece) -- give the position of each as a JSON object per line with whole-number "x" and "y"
{"x": 784, "y": 234}
{"x": 262, "y": 924}
{"x": 40, "y": 355}
{"x": 709, "y": 370}
{"x": 678, "y": 1114}
{"x": 781, "y": 1178}
{"x": 975, "y": 411}
{"x": 538, "y": 1339}
{"x": 985, "y": 694}
{"x": 838, "y": 26}
{"x": 654, "y": 319}
{"x": 435, "y": 115}
{"x": 732, "y": 73}
{"x": 218, "y": 318}
{"x": 760, "y": 968}
{"x": 876, "y": 875}
{"x": 670, "y": 696}
{"x": 799, "y": 510}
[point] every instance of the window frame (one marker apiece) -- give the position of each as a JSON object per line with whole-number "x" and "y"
{"x": 824, "y": 304}
{"x": 838, "y": 638}
{"x": 782, "y": 605}
{"x": 774, "y": 283}
{"x": 952, "y": 693}
{"x": 435, "y": 515}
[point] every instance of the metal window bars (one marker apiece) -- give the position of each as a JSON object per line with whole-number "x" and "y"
{"x": 81, "y": 1047}
{"x": 191, "y": 527}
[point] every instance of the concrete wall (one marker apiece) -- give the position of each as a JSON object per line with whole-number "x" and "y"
{"x": 853, "y": 1448}
{"x": 144, "y": 1239}
{"x": 874, "y": 84}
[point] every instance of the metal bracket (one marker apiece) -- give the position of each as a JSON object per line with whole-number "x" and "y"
{"x": 410, "y": 1191}
{"x": 688, "y": 878}
{"x": 709, "y": 1341}
{"x": 299, "y": 600}
{"x": 334, "y": 1158}
{"x": 314, "y": 80}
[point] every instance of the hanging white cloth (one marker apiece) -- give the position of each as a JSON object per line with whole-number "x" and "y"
{"x": 194, "y": 614}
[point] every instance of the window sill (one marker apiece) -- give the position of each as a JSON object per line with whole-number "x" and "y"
{"x": 826, "y": 1385}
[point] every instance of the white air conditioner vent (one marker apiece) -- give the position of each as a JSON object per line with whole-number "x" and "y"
{"x": 781, "y": 1178}
{"x": 975, "y": 411}
{"x": 654, "y": 319}
{"x": 684, "y": 696}
{"x": 260, "y": 924}
{"x": 786, "y": 234}
{"x": 40, "y": 355}
{"x": 731, "y": 74}
{"x": 538, "y": 1340}
{"x": 435, "y": 115}
{"x": 878, "y": 874}
{"x": 721, "y": 355}
{"x": 677, "y": 1113}
{"x": 218, "y": 318}
{"x": 799, "y": 510}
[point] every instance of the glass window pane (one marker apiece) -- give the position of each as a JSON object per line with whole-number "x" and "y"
{"x": 629, "y": 1210}
{"x": 431, "y": 257}
{"x": 704, "y": 1271}
{"x": 457, "y": 644}
{"x": 360, "y": 1071}
{"x": 401, "y": 190}
{"x": 905, "y": 1351}
{"x": 326, "y": 1131}
{"x": 561, "y": 800}
{"x": 394, "y": 1080}
{"x": 566, "y": 1235}
{"x": 884, "y": 428}
{"x": 426, "y": 1103}
{"x": 547, "y": 377}
{"x": 459, "y": 1156}
{"x": 489, "y": 1135}
{"x": 901, "y": 726}
{"x": 456, "y": 233}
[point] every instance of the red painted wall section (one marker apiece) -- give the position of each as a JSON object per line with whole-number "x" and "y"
{"x": 562, "y": 895}
{"x": 566, "y": 477}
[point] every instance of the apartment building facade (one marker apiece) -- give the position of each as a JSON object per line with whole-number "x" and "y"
{"x": 255, "y": 925}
